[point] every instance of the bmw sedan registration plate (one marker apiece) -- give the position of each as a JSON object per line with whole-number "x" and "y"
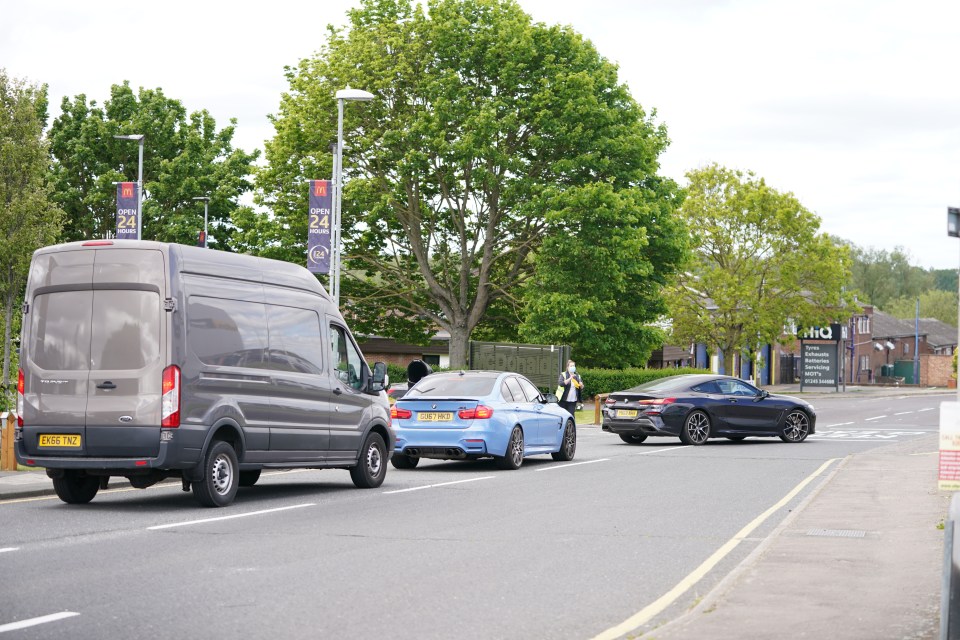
{"x": 70, "y": 440}
{"x": 626, "y": 413}
{"x": 434, "y": 416}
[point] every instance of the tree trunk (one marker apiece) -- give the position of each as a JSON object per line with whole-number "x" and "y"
{"x": 459, "y": 342}
{"x": 8, "y": 318}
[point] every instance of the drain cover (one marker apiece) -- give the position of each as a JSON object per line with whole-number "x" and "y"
{"x": 837, "y": 533}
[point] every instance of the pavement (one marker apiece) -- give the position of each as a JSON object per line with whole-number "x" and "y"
{"x": 860, "y": 557}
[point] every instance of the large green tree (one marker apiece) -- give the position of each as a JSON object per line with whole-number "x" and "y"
{"x": 185, "y": 156}
{"x": 28, "y": 217}
{"x": 759, "y": 262}
{"x": 485, "y": 125}
{"x": 601, "y": 271}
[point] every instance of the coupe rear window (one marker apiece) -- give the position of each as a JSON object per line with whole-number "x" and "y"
{"x": 663, "y": 384}
{"x": 452, "y": 386}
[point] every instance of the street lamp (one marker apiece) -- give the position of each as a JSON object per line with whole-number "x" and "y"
{"x": 206, "y": 200}
{"x": 953, "y": 229}
{"x": 139, "y": 138}
{"x": 343, "y": 95}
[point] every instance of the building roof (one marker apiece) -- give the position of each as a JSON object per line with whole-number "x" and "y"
{"x": 886, "y": 326}
{"x": 939, "y": 334}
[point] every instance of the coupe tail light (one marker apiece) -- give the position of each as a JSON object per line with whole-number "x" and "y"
{"x": 20, "y": 398}
{"x": 611, "y": 400}
{"x": 657, "y": 405}
{"x": 481, "y": 412}
{"x": 400, "y": 414}
{"x": 170, "y": 398}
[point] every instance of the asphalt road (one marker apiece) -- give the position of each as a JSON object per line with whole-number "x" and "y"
{"x": 450, "y": 549}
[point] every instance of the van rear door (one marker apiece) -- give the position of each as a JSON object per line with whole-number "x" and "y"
{"x": 126, "y": 367}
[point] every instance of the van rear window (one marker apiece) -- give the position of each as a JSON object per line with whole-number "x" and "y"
{"x": 99, "y": 329}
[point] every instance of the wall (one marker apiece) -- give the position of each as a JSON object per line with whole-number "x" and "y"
{"x": 935, "y": 370}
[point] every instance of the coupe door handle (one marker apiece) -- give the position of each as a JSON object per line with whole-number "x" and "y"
{"x": 106, "y": 385}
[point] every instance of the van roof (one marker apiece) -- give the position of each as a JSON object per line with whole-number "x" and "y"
{"x": 201, "y": 261}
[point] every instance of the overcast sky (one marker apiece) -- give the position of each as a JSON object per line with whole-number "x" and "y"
{"x": 854, "y": 106}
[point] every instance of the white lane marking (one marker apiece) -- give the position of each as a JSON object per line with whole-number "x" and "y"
{"x": 902, "y": 413}
{"x": 664, "y": 601}
{"x": 819, "y": 439}
{"x": 441, "y": 484}
{"x": 643, "y": 453}
{"x": 6, "y": 549}
{"x": 927, "y": 409}
{"x": 32, "y": 622}
{"x": 573, "y": 464}
{"x": 231, "y": 517}
{"x": 874, "y": 418}
{"x": 839, "y": 424}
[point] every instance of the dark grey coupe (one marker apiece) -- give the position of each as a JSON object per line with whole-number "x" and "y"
{"x": 696, "y": 407}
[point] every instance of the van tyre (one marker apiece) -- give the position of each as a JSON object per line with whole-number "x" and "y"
{"x": 221, "y": 476}
{"x": 371, "y": 468}
{"x": 75, "y": 487}
{"x": 403, "y": 461}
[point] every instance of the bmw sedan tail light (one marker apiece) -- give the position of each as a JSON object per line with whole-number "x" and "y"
{"x": 399, "y": 414}
{"x": 481, "y": 412}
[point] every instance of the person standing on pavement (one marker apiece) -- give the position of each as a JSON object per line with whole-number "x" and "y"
{"x": 572, "y": 385}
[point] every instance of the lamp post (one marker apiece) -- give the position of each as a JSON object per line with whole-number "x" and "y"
{"x": 953, "y": 229}
{"x": 139, "y": 138}
{"x": 206, "y": 200}
{"x": 343, "y": 95}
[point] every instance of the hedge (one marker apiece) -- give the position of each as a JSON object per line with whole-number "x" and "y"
{"x": 597, "y": 381}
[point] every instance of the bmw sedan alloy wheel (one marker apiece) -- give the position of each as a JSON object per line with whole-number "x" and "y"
{"x": 796, "y": 428}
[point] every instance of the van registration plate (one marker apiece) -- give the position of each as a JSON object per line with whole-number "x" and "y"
{"x": 70, "y": 440}
{"x": 434, "y": 416}
{"x": 626, "y": 413}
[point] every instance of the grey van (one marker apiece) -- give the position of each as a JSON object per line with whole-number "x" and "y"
{"x": 149, "y": 361}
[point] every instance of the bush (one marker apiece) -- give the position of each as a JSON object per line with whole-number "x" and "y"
{"x": 597, "y": 381}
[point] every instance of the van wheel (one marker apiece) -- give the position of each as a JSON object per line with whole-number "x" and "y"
{"x": 403, "y": 461}
{"x": 220, "y": 476}
{"x": 74, "y": 487}
{"x": 371, "y": 468}
{"x": 249, "y": 478}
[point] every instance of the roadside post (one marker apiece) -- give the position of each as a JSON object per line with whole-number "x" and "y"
{"x": 8, "y": 460}
{"x": 948, "y": 479}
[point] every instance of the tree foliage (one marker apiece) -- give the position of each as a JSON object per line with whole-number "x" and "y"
{"x": 28, "y": 217}
{"x": 601, "y": 272}
{"x": 880, "y": 276}
{"x": 934, "y": 303}
{"x": 485, "y": 126}
{"x": 185, "y": 156}
{"x": 758, "y": 263}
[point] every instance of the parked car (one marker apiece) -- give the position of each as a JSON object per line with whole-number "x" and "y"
{"x": 396, "y": 391}
{"x": 696, "y": 407}
{"x": 467, "y": 415}
{"x": 149, "y": 360}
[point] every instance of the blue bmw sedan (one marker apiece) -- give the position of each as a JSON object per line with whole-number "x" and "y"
{"x": 465, "y": 415}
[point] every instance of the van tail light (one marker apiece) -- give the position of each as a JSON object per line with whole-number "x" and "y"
{"x": 20, "y": 398}
{"x": 400, "y": 414}
{"x": 481, "y": 412}
{"x": 657, "y": 405}
{"x": 98, "y": 243}
{"x": 170, "y": 400}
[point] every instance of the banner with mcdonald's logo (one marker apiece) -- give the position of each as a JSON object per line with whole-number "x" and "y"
{"x": 318, "y": 226}
{"x": 127, "y": 193}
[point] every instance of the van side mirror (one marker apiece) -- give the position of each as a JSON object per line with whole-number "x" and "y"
{"x": 379, "y": 380}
